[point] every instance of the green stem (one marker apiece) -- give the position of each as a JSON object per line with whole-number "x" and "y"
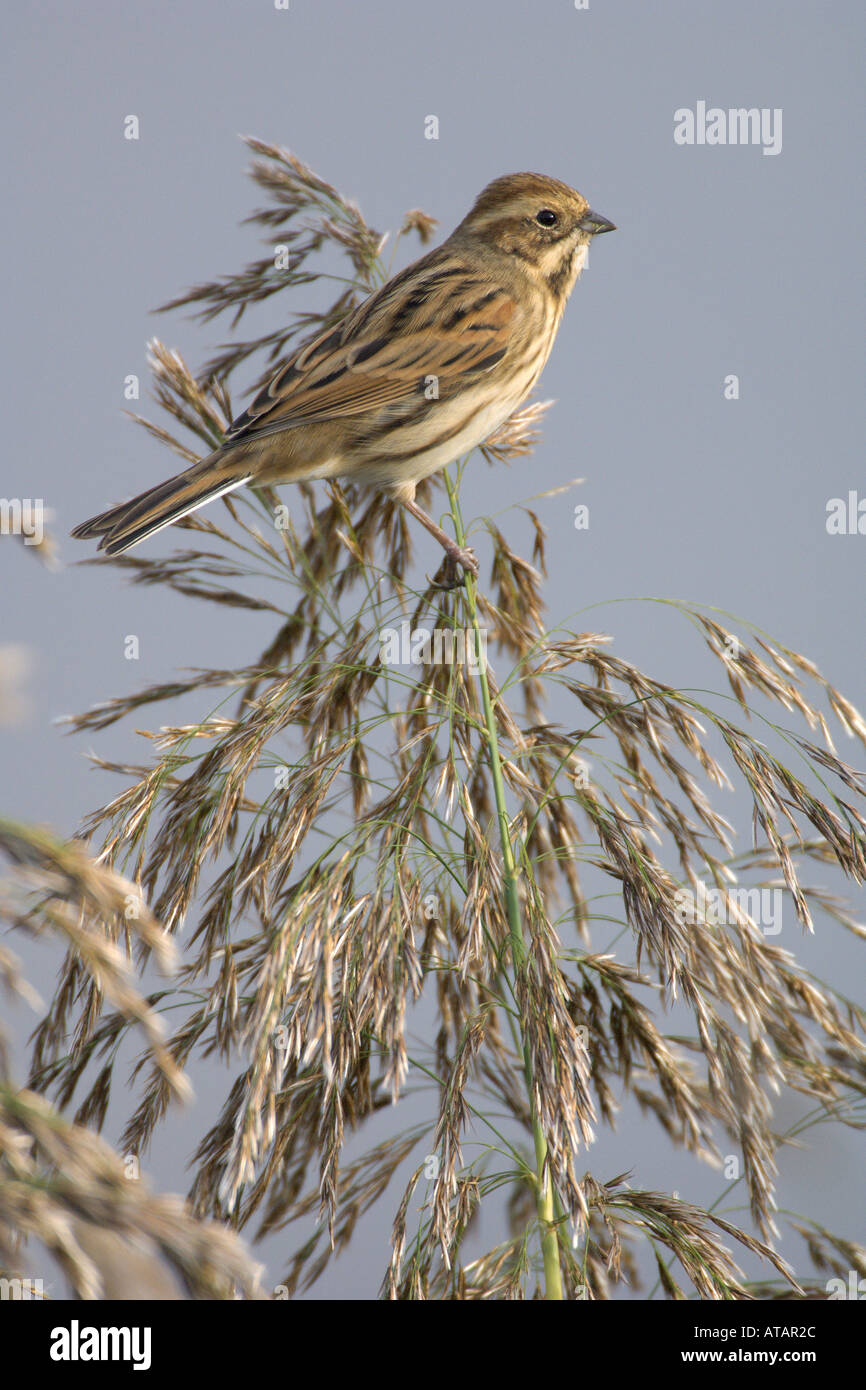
{"x": 543, "y": 1184}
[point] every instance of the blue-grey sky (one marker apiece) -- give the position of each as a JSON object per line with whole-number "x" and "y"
{"x": 726, "y": 261}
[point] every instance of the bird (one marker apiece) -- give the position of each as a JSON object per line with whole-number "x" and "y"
{"x": 411, "y": 379}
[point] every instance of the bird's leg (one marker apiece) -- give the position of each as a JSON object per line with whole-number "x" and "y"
{"x": 455, "y": 555}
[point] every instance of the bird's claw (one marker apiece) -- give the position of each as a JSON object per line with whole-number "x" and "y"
{"x": 448, "y": 575}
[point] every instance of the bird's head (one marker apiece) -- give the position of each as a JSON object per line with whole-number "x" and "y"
{"x": 541, "y": 222}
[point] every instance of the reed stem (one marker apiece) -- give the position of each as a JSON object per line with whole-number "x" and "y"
{"x": 543, "y": 1184}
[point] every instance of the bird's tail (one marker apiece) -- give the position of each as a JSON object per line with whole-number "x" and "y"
{"x": 124, "y": 526}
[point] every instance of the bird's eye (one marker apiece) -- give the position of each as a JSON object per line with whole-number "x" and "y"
{"x": 547, "y": 217}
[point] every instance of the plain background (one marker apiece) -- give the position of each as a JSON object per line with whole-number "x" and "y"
{"x": 725, "y": 261}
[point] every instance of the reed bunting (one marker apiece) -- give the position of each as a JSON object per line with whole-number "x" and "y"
{"x": 421, "y": 372}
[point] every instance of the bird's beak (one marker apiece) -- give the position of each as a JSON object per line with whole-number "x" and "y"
{"x": 593, "y": 222}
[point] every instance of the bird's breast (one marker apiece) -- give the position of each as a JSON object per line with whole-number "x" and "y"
{"x": 447, "y": 429}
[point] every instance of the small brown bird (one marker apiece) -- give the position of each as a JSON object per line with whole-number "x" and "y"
{"x": 421, "y": 372}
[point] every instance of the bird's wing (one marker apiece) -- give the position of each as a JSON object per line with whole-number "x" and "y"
{"x": 449, "y": 324}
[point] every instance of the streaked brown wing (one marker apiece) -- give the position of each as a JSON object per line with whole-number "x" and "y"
{"x": 448, "y": 323}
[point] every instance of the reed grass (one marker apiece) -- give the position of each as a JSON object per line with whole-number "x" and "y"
{"x": 347, "y": 842}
